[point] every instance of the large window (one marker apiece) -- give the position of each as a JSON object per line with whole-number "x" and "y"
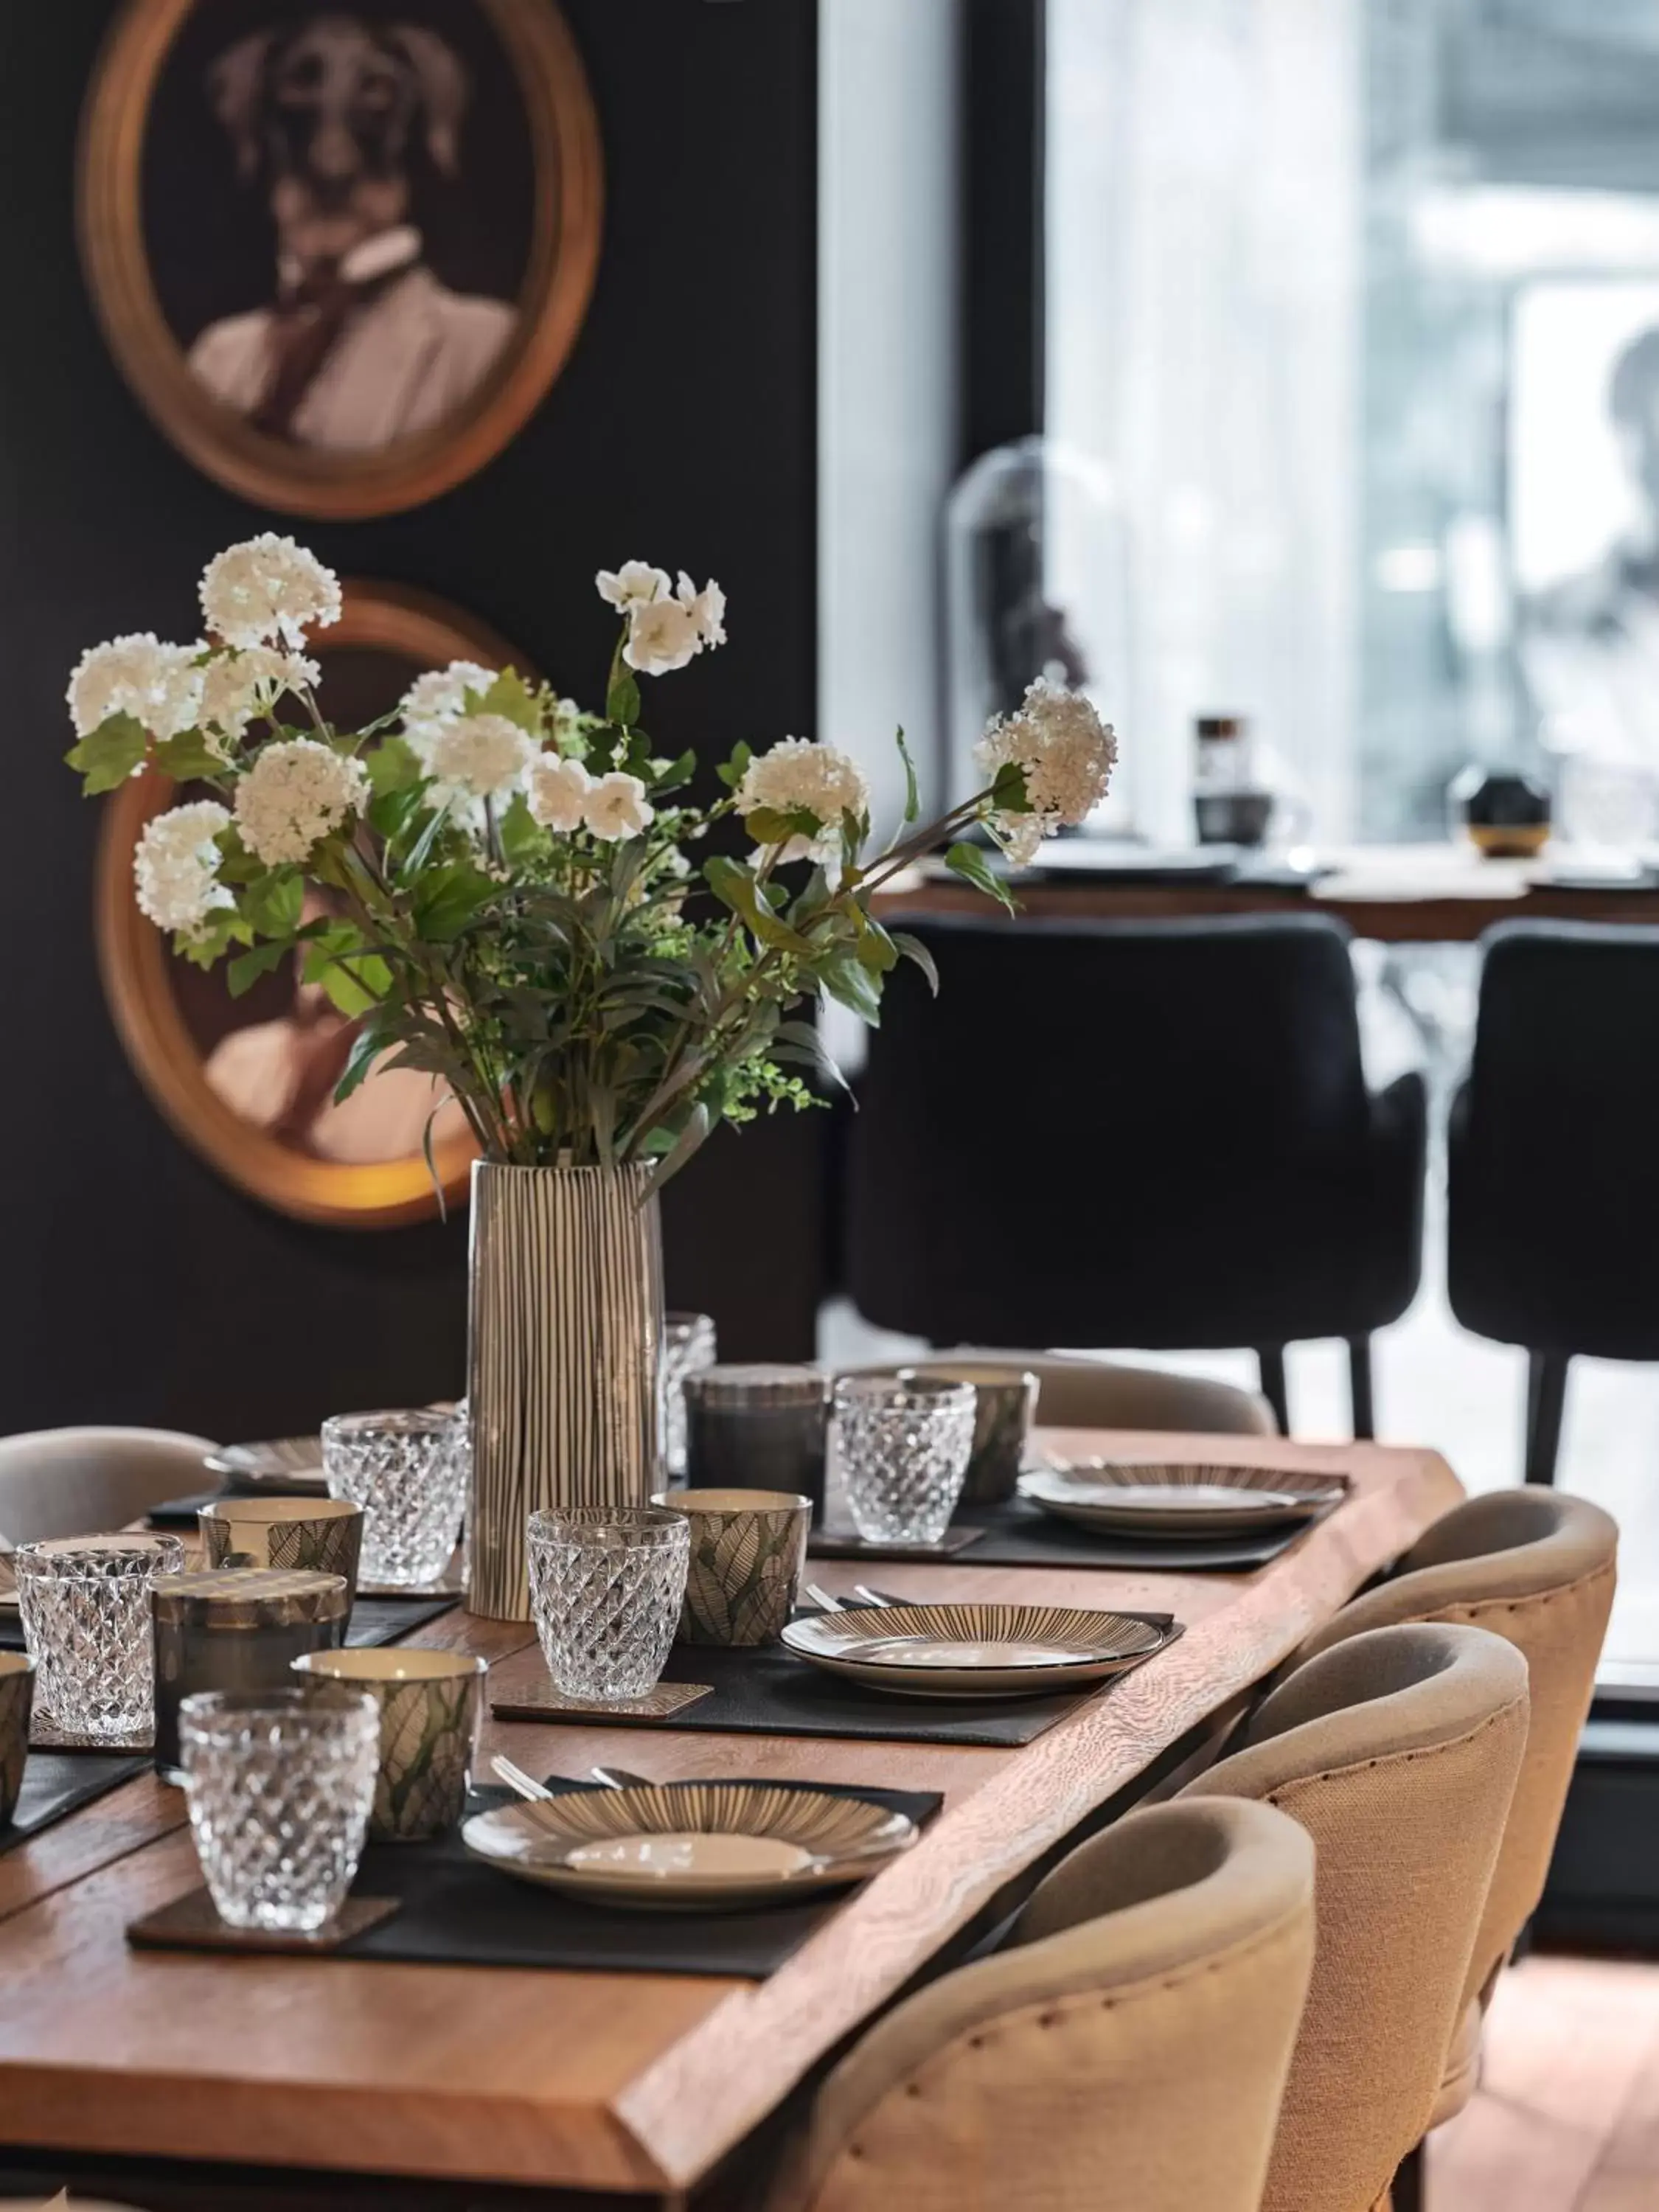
{"x": 1358, "y": 301}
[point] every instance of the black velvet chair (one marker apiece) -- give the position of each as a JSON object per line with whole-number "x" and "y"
{"x": 1553, "y": 1158}
{"x": 1156, "y": 1134}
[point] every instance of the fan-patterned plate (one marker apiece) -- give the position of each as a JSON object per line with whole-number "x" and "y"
{"x": 289, "y": 1466}
{"x": 1159, "y": 1498}
{"x": 690, "y": 1845}
{"x": 974, "y": 1650}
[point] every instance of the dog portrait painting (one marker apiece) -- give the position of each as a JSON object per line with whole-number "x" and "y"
{"x": 352, "y": 242}
{"x": 248, "y": 1081}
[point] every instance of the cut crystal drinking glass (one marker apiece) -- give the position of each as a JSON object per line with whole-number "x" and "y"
{"x": 688, "y": 1347}
{"x": 409, "y": 1472}
{"x": 903, "y": 1446}
{"x": 84, "y": 1601}
{"x": 605, "y": 1587}
{"x": 279, "y": 1785}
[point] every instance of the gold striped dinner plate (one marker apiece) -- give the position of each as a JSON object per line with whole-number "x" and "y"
{"x": 1154, "y": 1498}
{"x": 287, "y": 1466}
{"x": 973, "y": 1650}
{"x": 686, "y": 1846}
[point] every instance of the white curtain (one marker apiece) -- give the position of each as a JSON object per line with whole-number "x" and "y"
{"x": 1205, "y": 238}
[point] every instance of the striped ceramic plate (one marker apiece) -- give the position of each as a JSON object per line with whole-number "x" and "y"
{"x": 684, "y": 1845}
{"x": 974, "y": 1650}
{"x": 1170, "y": 1498}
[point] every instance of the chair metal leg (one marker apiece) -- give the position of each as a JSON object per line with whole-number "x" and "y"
{"x": 1546, "y": 1398}
{"x": 1409, "y": 2183}
{"x": 1360, "y": 1386}
{"x": 1271, "y": 1360}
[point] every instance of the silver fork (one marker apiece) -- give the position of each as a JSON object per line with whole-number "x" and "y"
{"x": 611, "y": 1778}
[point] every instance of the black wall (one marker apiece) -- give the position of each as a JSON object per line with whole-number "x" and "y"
{"x": 136, "y": 1285}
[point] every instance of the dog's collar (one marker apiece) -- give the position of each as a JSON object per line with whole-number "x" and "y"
{"x": 379, "y": 256}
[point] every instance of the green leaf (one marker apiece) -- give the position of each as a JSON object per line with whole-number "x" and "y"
{"x": 731, "y": 771}
{"x": 674, "y": 774}
{"x": 846, "y": 979}
{"x": 390, "y": 812}
{"x": 911, "y": 948}
{"x": 912, "y": 795}
{"x": 393, "y": 766}
{"x": 697, "y": 1126}
{"x": 1008, "y": 793}
{"x": 447, "y": 900}
{"x": 353, "y": 984}
{"x": 511, "y": 697}
{"x": 771, "y": 825}
{"x": 621, "y": 702}
{"x": 188, "y": 757}
{"x": 523, "y": 839}
{"x": 970, "y": 862}
{"x": 734, "y": 886}
{"x": 876, "y": 949}
{"x": 110, "y": 755}
{"x": 274, "y": 902}
{"x": 244, "y": 971}
{"x": 366, "y": 1049}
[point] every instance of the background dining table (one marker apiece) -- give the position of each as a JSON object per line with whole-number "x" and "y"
{"x": 484, "y": 2079}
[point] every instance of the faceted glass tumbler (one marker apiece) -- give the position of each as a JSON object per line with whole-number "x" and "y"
{"x": 688, "y": 1347}
{"x": 279, "y": 1785}
{"x": 85, "y": 1606}
{"x": 606, "y": 1589}
{"x": 904, "y": 1445}
{"x": 409, "y": 1472}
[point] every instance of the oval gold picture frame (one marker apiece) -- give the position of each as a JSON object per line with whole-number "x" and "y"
{"x": 553, "y": 298}
{"x": 136, "y": 963}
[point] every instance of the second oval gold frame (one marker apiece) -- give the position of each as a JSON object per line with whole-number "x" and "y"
{"x": 564, "y": 256}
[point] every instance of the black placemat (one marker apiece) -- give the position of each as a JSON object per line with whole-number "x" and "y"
{"x": 59, "y": 1781}
{"x": 1018, "y": 1535}
{"x": 457, "y": 1911}
{"x": 384, "y": 1619}
{"x": 767, "y": 1691}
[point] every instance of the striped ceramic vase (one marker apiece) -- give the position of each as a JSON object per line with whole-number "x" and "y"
{"x": 566, "y": 1329}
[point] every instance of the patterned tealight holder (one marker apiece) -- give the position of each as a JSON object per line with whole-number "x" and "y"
{"x": 748, "y": 1549}
{"x": 430, "y": 1705}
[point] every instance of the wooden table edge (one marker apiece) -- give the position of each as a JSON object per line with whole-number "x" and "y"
{"x": 695, "y": 2104}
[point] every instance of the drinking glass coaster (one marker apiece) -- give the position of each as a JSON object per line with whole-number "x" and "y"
{"x": 691, "y": 1845}
{"x": 1150, "y": 1497}
{"x": 192, "y": 1924}
{"x": 542, "y": 1702}
{"x": 975, "y": 1650}
{"x": 289, "y": 1466}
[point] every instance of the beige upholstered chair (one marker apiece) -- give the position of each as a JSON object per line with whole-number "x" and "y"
{"x": 1126, "y": 2055}
{"x": 1398, "y": 1752}
{"x": 77, "y": 1482}
{"x": 1077, "y": 1391}
{"x": 1537, "y": 1568}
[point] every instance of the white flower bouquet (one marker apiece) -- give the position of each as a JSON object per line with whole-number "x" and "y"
{"x": 504, "y": 890}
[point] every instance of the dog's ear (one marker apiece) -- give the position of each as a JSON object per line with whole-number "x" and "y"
{"x": 235, "y": 82}
{"x": 444, "y": 90}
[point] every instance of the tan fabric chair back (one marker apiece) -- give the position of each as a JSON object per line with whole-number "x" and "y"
{"x": 1126, "y": 2055}
{"x": 1076, "y": 1392}
{"x": 86, "y": 1482}
{"x": 1538, "y": 1569}
{"x": 1398, "y": 1752}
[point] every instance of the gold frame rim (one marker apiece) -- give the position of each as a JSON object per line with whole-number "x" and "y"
{"x": 133, "y": 960}
{"x": 558, "y": 282}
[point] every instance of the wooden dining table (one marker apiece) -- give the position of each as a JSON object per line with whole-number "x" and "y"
{"x": 640, "y": 2085}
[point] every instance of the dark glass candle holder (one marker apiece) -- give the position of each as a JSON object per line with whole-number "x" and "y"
{"x": 758, "y": 1428}
{"x": 236, "y": 1628}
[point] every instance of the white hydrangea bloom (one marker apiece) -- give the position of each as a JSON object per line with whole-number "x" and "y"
{"x": 438, "y": 698}
{"x": 175, "y": 867}
{"x": 295, "y": 794}
{"x": 568, "y": 720}
{"x": 159, "y": 686}
{"x": 616, "y": 806}
{"x": 706, "y": 608}
{"x": 237, "y": 686}
{"x": 635, "y": 584}
{"x": 480, "y": 756}
{"x": 558, "y": 793}
{"x": 268, "y": 591}
{"x": 1068, "y": 754}
{"x": 796, "y": 773}
{"x": 661, "y": 635}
